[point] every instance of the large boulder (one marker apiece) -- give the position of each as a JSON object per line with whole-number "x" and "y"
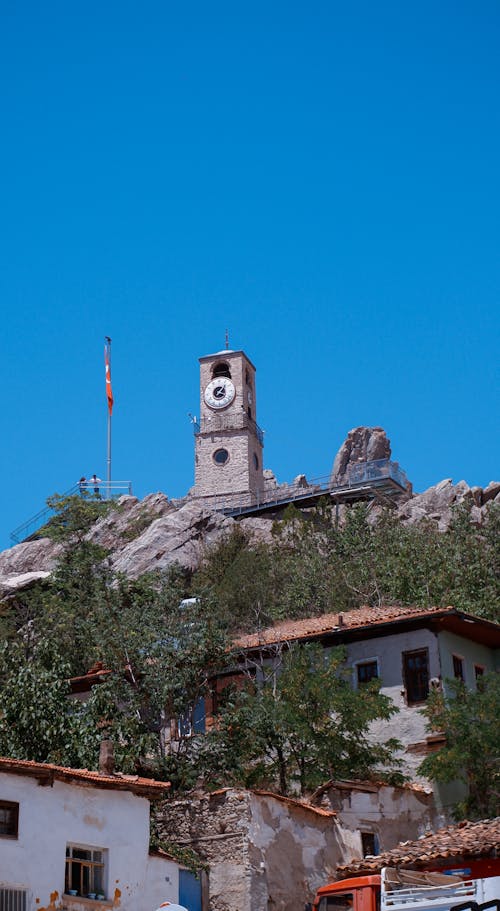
{"x": 363, "y": 444}
{"x": 26, "y": 563}
{"x": 181, "y": 536}
{"x": 437, "y": 503}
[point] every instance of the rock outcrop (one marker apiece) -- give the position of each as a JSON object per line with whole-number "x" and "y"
{"x": 436, "y": 503}
{"x": 153, "y": 533}
{"x": 363, "y": 444}
{"x": 181, "y": 536}
{"x": 26, "y": 563}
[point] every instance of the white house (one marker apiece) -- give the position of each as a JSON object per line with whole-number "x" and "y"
{"x": 74, "y": 840}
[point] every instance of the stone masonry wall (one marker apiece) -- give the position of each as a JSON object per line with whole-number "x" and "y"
{"x": 265, "y": 853}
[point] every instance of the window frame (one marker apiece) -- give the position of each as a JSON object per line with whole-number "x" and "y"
{"x": 406, "y": 655}
{"x": 458, "y": 662}
{"x": 365, "y": 662}
{"x": 12, "y": 807}
{"x": 372, "y": 838}
{"x": 94, "y": 867}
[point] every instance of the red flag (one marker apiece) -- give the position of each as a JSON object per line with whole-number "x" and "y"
{"x": 107, "y": 364}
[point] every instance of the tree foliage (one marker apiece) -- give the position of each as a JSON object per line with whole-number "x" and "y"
{"x": 469, "y": 721}
{"x": 296, "y": 723}
{"x": 315, "y": 565}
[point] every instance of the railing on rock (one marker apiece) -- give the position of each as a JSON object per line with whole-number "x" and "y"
{"x": 365, "y": 479}
{"x": 102, "y": 490}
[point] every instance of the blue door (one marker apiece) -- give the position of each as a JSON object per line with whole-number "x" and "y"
{"x": 189, "y": 890}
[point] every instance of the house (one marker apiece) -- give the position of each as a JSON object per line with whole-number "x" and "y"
{"x": 264, "y": 850}
{"x": 409, "y": 649}
{"x": 78, "y": 840}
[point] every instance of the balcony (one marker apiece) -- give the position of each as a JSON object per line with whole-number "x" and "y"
{"x": 220, "y": 423}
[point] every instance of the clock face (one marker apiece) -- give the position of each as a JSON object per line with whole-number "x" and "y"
{"x": 220, "y": 392}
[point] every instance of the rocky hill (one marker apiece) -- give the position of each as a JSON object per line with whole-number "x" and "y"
{"x": 155, "y": 532}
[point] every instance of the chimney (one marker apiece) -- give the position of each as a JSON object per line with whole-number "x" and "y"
{"x": 341, "y": 619}
{"x": 106, "y": 758}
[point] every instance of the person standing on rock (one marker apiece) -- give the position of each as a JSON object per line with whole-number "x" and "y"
{"x": 95, "y": 481}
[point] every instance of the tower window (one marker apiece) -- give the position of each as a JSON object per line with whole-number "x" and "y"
{"x": 249, "y": 412}
{"x": 255, "y": 462}
{"x": 221, "y": 456}
{"x": 221, "y": 369}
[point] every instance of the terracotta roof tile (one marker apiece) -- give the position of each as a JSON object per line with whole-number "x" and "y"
{"x": 289, "y": 630}
{"x": 465, "y": 840}
{"x": 49, "y": 772}
{"x": 292, "y": 801}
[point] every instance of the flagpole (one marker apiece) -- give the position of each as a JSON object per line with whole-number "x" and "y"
{"x": 108, "y": 476}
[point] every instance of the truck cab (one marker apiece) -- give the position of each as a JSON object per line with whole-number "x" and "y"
{"x": 361, "y": 893}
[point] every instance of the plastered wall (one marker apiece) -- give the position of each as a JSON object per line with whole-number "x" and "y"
{"x": 52, "y": 817}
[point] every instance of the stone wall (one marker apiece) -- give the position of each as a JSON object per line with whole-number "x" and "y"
{"x": 270, "y": 853}
{"x": 263, "y": 852}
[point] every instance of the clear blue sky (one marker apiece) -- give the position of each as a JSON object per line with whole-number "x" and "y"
{"x": 321, "y": 178}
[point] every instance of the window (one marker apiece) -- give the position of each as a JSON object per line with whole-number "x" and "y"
{"x": 192, "y": 721}
{"x": 221, "y": 369}
{"x": 12, "y": 898}
{"x": 478, "y": 671}
{"x": 367, "y": 670}
{"x": 85, "y": 870}
{"x": 255, "y": 461}
{"x": 416, "y": 675}
{"x": 341, "y": 902}
{"x": 9, "y": 819}
{"x": 458, "y": 667}
{"x": 221, "y": 456}
{"x": 369, "y": 843}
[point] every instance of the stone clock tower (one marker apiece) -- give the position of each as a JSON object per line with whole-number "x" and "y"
{"x": 228, "y": 441}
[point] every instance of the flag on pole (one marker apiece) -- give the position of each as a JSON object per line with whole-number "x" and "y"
{"x": 107, "y": 364}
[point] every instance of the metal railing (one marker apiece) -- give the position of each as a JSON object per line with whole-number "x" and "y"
{"x": 380, "y": 474}
{"x": 103, "y": 490}
{"x": 217, "y": 423}
{"x": 375, "y": 470}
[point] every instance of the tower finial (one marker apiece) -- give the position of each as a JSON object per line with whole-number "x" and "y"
{"x": 227, "y": 339}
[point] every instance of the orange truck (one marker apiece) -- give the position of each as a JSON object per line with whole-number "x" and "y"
{"x": 411, "y": 890}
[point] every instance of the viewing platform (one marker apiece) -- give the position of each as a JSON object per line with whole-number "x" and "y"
{"x": 88, "y": 490}
{"x": 380, "y": 480}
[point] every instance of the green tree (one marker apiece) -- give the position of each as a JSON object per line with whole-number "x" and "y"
{"x": 469, "y": 721}
{"x": 297, "y": 723}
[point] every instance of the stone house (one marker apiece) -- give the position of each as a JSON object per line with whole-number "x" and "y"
{"x": 74, "y": 840}
{"x": 265, "y": 852}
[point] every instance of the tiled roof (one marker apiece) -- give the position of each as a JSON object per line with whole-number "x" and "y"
{"x": 465, "y": 840}
{"x": 290, "y": 630}
{"x": 46, "y": 772}
{"x": 292, "y": 801}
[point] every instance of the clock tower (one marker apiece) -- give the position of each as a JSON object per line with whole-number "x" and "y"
{"x": 228, "y": 441}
